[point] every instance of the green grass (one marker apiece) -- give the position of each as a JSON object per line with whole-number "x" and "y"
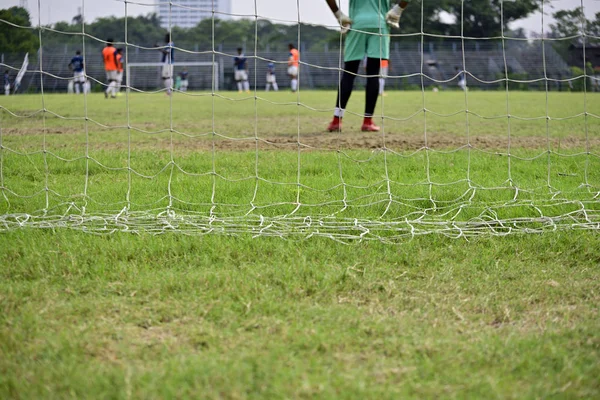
{"x": 218, "y": 316}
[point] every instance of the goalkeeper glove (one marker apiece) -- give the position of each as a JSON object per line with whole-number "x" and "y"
{"x": 393, "y": 16}
{"x": 344, "y": 20}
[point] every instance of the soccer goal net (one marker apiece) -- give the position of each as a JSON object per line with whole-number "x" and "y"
{"x": 476, "y": 129}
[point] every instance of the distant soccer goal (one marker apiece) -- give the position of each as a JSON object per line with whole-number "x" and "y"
{"x": 200, "y": 75}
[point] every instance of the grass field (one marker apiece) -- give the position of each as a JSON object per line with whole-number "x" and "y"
{"x": 215, "y": 316}
{"x": 230, "y": 155}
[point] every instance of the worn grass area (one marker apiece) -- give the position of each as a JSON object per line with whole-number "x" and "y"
{"x": 129, "y": 316}
{"x": 199, "y": 118}
{"x": 172, "y": 316}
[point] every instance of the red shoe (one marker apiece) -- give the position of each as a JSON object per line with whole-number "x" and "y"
{"x": 369, "y": 127}
{"x": 335, "y": 125}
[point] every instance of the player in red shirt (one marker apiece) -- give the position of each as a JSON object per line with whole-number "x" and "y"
{"x": 109, "y": 57}
{"x": 293, "y": 64}
{"x": 383, "y": 74}
{"x": 119, "y": 60}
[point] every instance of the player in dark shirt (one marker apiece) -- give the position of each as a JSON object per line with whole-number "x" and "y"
{"x": 168, "y": 58}
{"x": 271, "y": 78}
{"x": 76, "y": 65}
{"x": 183, "y": 76}
{"x": 241, "y": 71}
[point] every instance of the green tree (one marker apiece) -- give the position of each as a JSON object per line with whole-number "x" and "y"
{"x": 485, "y": 18}
{"x": 471, "y": 18}
{"x": 573, "y": 24}
{"x": 19, "y": 38}
{"x": 568, "y": 23}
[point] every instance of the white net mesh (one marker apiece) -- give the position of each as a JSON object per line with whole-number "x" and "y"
{"x": 516, "y": 152}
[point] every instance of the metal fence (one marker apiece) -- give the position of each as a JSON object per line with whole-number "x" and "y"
{"x": 436, "y": 63}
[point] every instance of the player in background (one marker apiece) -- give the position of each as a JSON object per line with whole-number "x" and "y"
{"x": 6, "y": 83}
{"x": 271, "y": 78}
{"x": 462, "y": 80}
{"x": 110, "y": 66}
{"x": 76, "y": 65}
{"x": 241, "y": 71}
{"x": 384, "y": 69}
{"x": 383, "y": 74}
{"x": 119, "y": 59}
{"x": 109, "y": 58}
{"x": 183, "y": 75}
{"x": 293, "y": 63}
{"x": 167, "y": 58}
{"x": 369, "y": 36}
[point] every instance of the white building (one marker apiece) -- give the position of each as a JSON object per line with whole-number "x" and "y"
{"x": 187, "y": 13}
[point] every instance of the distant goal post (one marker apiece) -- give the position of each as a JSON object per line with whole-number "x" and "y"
{"x": 203, "y": 75}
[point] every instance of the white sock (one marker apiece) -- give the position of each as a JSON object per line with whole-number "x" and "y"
{"x": 294, "y": 84}
{"x": 246, "y": 86}
{"x": 268, "y": 87}
{"x": 275, "y": 87}
{"x": 239, "y": 85}
{"x": 338, "y": 112}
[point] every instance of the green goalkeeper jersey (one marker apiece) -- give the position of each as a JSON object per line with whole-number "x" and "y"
{"x": 369, "y": 14}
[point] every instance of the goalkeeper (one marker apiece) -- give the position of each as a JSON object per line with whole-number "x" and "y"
{"x": 369, "y": 36}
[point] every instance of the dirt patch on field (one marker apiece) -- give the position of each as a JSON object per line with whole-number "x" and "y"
{"x": 401, "y": 142}
{"x": 306, "y": 141}
{"x": 41, "y": 131}
{"x": 361, "y": 141}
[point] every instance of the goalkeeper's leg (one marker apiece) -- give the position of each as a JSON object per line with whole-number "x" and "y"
{"x": 344, "y": 92}
{"x": 372, "y": 93}
{"x": 347, "y": 83}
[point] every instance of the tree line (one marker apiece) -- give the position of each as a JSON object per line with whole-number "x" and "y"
{"x": 481, "y": 18}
